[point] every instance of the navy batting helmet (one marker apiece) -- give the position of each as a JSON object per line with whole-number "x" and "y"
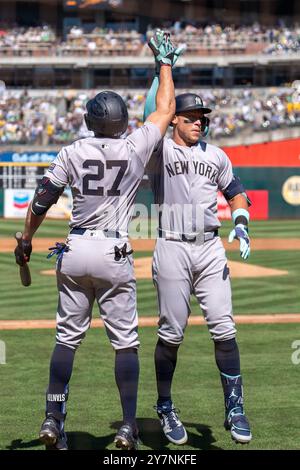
{"x": 107, "y": 115}
{"x": 189, "y": 102}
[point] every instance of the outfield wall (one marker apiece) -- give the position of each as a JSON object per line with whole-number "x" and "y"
{"x": 1, "y": 202}
{"x": 282, "y": 153}
{"x": 273, "y": 168}
{"x": 269, "y": 171}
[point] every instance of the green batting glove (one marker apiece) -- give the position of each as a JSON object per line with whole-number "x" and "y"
{"x": 163, "y": 49}
{"x": 177, "y": 53}
{"x": 155, "y": 43}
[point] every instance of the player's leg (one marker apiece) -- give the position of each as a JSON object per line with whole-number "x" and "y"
{"x": 172, "y": 279}
{"x": 213, "y": 291}
{"x": 73, "y": 319}
{"x": 117, "y": 303}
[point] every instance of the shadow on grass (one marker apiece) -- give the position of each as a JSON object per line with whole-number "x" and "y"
{"x": 76, "y": 441}
{"x": 151, "y": 436}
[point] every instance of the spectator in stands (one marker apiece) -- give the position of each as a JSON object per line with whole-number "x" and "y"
{"x": 37, "y": 119}
{"x": 209, "y": 39}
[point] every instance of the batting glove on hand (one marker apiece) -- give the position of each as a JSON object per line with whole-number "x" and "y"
{"x": 163, "y": 49}
{"x": 240, "y": 233}
{"x": 23, "y": 254}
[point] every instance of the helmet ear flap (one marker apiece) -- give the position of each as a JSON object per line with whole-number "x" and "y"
{"x": 87, "y": 121}
{"x": 205, "y": 126}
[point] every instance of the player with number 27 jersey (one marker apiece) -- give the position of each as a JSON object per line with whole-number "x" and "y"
{"x": 94, "y": 167}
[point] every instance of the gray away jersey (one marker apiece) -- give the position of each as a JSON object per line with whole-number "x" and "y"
{"x": 185, "y": 182}
{"x": 104, "y": 175}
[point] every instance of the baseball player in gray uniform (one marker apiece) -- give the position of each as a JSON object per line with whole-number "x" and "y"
{"x": 186, "y": 174}
{"x": 95, "y": 263}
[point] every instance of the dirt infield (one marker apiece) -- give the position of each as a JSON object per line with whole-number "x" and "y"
{"x": 42, "y": 244}
{"x": 142, "y": 268}
{"x": 152, "y": 321}
{"x": 256, "y": 244}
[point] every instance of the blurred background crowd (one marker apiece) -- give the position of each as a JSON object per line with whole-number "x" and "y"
{"x": 212, "y": 39}
{"x": 43, "y": 118}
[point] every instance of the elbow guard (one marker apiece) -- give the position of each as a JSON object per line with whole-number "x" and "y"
{"x": 234, "y": 188}
{"x": 46, "y": 194}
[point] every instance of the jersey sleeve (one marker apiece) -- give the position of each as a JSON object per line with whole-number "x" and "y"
{"x": 225, "y": 173}
{"x": 58, "y": 169}
{"x": 144, "y": 141}
{"x": 154, "y": 163}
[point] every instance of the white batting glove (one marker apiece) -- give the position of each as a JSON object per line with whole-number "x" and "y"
{"x": 240, "y": 233}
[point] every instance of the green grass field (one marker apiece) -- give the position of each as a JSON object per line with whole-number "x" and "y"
{"x": 270, "y": 378}
{"x": 250, "y": 296}
{"x": 258, "y": 229}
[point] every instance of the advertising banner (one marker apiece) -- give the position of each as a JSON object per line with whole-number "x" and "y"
{"x": 16, "y": 202}
{"x": 27, "y": 157}
{"x": 259, "y": 209}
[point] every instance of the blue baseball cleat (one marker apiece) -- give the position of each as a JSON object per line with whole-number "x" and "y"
{"x": 171, "y": 424}
{"x": 235, "y": 419}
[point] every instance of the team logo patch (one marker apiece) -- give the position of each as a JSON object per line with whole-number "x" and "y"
{"x": 198, "y": 100}
{"x": 51, "y": 167}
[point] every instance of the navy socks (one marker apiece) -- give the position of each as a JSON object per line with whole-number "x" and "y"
{"x": 165, "y": 357}
{"x": 127, "y": 376}
{"x": 61, "y": 366}
{"x": 228, "y": 357}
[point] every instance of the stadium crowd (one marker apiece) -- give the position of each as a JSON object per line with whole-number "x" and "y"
{"x": 212, "y": 39}
{"x": 215, "y": 39}
{"x": 57, "y": 118}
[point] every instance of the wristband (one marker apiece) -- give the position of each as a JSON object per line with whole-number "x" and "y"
{"x": 240, "y": 213}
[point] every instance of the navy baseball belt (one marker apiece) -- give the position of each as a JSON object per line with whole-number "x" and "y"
{"x": 183, "y": 238}
{"x": 106, "y": 233}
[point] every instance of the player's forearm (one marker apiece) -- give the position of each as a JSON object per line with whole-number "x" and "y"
{"x": 238, "y": 202}
{"x": 150, "y": 103}
{"x": 165, "y": 98}
{"x": 239, "y": 209}
{"x": 32, "y": 223}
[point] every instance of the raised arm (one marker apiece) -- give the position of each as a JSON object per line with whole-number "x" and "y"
{"x": 150, "y": 103}
{"x": 165, "y": 100}
{"x": 160, "y": 102}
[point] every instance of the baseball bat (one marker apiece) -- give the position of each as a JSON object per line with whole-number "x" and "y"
{"x": 24, "y": 270}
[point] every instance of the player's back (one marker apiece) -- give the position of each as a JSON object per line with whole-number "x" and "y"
{"x": 104, "y": 175}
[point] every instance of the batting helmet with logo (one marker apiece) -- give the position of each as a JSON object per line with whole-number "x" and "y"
{"x": 192, "y": 102}
{"x": 107, "y": 115}
{"x": 189, "y": 102}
